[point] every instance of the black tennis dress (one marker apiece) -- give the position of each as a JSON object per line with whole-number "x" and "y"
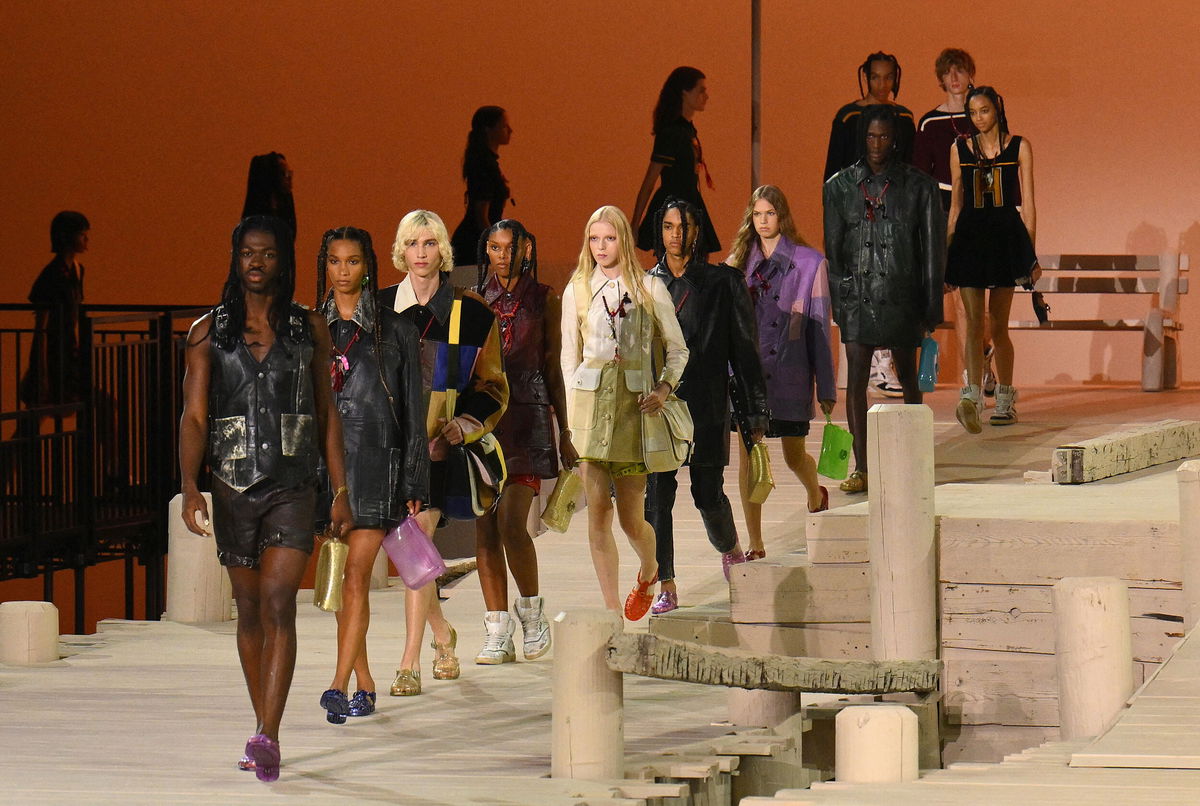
{"x": 991, "y": 247}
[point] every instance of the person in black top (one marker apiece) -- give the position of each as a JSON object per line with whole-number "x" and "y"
{"x": 882, "y": 73}
{"x": 677, "y": 159}
{"x": 257, "y": 401}
{"x": 56, "y": 354}
{"x": 376, "y": 372}
{"x": 716, "y": 316}
{"x": 269, "y": 189}
{"x": 487, "y": 189}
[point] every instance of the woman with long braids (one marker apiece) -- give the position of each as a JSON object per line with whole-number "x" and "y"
{"x": 789, "y": 283}
{"x": 615, "y": 314}
{"x": 677, "y": 159}
{"x": 881, "y": 74}
{"x": 528, "y": 313}
{"x": 376, "y": 376}
{"x": 487, "y": 189}
{"x": 991, "y": 231}
{"x": 427, "y": 298}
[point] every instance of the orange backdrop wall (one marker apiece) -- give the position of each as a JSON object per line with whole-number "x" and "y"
{"x": 144, "y": 116}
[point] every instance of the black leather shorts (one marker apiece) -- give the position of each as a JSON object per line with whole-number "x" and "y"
{"x": 248, "y": 523}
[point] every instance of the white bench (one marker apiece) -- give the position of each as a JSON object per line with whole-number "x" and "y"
{"x": 1155, "y": 275}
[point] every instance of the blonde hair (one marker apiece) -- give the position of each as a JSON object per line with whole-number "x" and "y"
{"x": 632, "y": 274}
{"x": 406, "y": 234}
{"x": 746, "y": 232}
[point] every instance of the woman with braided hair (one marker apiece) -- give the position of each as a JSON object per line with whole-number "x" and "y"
{"x": 376, "y": 375}
{"x": 528, "y": 314}
{"x": 992, "y": 226}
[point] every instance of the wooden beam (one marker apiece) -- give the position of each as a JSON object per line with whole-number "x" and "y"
{"x": 651, "y": 656}
{"x": 1125, "y": 451}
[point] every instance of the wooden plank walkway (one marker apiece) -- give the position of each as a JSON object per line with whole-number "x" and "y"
{"x": 156, "y": 713}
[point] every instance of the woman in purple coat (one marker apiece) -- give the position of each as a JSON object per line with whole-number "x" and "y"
{"x": 789, "y": 283}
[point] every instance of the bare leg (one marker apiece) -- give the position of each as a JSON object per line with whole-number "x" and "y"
{"x": 492, "y": 565}
{"x": 355, "y": 615}
{"x": 422, "y": 607}
{"x": 269, "y": 664}
{"x": 751, "y": 511}
{"x": 999, "y": 304}
{"x": 973, "y": 348}
{"x": 805, "y": 468}
{"x": 605, "y": 559}
{"x": 631, "y": 510}
{"x": 518, "y": 544}
{"x": 515, "y": 548}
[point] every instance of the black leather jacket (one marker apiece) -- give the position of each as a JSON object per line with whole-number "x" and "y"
{"x": 886, "y": 258}
{"x": 383, "y": 415}
{"x": 262, "y": 416}
{"x": 716, "y": 315}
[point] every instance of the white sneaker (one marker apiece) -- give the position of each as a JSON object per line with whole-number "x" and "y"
{"x": 1006, "y": 405}
{"x": 970, "y": 406}
{"x": 498, "y": 644}
{"x": 534, "y": 626}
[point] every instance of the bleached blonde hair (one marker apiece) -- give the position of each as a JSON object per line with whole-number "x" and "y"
{"x": 632, "y": 274}
{"x": 406, "y": 234}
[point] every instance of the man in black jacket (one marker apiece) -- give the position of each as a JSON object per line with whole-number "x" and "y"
{"x": 716, "y": 315}
{"x": 885, "y": 240}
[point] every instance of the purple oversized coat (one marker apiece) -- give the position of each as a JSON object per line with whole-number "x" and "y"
{"x": 792, "y": 308}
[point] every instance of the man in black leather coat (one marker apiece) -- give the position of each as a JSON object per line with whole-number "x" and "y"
{"x": 716, "y": 315}
{"x": 885, "y": 240}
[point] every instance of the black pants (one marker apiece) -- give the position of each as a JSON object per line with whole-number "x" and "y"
{"x": 708, "y": 493}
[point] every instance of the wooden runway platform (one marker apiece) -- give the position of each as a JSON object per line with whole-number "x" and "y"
{"x": 156, "y": 713}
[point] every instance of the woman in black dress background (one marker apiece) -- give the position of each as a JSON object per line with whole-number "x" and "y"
{"x": 677, "y": 158}
{"x": 487, "y": 189}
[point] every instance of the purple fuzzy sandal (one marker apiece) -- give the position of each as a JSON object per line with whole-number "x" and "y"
{"x": 265, "y": 752}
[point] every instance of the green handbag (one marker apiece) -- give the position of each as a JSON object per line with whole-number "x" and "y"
{"x": 836, "y": 445}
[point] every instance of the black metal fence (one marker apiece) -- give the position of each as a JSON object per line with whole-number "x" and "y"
{"x": 88, "y": 480}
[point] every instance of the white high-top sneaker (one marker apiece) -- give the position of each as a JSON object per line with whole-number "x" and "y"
{"x": 1006, "y": 405}
{"x": 970, "y": 406}
{"x": 534, "y": 626}
{"x": 498, "y": 644}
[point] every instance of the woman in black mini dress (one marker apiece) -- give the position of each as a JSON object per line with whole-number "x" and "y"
{"x": 376, "y": 375}
{"x": 991, "y": 231}
{"x": 678, "y": 159}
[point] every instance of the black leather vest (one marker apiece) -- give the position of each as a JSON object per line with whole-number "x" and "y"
{"x": 261, "y": 416}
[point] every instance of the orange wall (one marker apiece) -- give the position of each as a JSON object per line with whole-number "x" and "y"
{"x": 144, "y": 116}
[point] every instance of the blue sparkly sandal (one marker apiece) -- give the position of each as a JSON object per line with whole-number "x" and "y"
{"x": 336, "y": 706}
{"x": 362, "y": 703}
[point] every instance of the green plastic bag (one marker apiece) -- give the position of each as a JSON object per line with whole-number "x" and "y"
{"x": 836, "y": 444}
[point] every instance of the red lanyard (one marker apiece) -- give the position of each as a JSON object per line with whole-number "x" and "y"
{"x": 874, "y": 203}
{"x": 679, "y": 304}
{"x": 340, "y": 365}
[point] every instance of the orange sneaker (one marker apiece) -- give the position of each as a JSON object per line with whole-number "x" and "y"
{"x": 639, "y": 599}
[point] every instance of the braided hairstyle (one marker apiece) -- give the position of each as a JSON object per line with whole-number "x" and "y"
{"x": 864, "y": 72}
{"x": 370, "y": 289}
{"x": 997, "y": 102}
{"x": 230, "y": 316}
{"x": 686, "y": 210}
{"x": 520, "y": 237}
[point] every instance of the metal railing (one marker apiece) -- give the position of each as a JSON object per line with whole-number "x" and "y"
{"x": 87, "y": 479}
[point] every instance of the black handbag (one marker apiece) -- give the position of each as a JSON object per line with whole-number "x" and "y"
{"x": 475, "y": 471}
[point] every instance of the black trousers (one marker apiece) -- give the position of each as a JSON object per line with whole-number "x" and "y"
{"x": 708, "y": 493}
